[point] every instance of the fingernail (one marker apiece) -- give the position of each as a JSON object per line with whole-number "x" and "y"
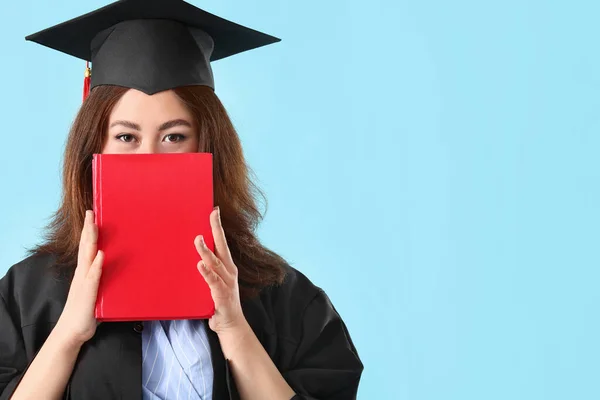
{"x": 202, "y": 242}
{"x": 218, "y": 212}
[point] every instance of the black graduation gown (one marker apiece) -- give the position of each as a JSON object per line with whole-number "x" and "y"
{"x": 295, "y": 322}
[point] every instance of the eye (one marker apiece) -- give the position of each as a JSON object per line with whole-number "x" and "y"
{"x": 126, "y": 137}
{"x": 174, "y": 137}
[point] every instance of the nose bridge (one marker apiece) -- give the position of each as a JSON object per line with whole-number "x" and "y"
{"x": 148, "y": 146}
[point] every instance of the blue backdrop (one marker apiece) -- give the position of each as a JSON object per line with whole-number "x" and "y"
{"x": 432, "y": 165}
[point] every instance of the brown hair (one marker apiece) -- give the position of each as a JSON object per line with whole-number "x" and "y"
{"x": 234, "y": 191}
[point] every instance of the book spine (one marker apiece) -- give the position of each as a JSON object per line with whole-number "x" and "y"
{"x": 97, "y": 208}
{"x": 94, "y": 187}
{"x": 97, "y": 189}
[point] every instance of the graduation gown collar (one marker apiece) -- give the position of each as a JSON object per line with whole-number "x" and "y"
{"x": 223, "y": 384}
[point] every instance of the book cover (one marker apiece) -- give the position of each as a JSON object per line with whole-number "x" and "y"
{"x": 149, "y": 208}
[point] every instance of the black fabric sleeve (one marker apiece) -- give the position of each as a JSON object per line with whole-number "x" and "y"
{"x": 326, "y": 364}
{"x": 13, "y": 358}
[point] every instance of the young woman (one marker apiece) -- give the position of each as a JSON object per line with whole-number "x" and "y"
{"x": 274, "y": 334}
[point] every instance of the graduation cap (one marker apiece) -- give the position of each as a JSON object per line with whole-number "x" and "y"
{"x": 150, "y": 45}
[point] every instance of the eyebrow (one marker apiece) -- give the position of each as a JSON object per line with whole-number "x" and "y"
{"x": 174, "y": 123}
{"x": 163, "y": 127}
{"x": 127, "y": 124}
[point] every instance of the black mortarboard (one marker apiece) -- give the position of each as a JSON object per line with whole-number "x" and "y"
{"x": 151, "y": 45}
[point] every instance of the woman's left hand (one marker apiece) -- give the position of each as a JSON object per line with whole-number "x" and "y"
{"x": 255, "y": 374}
{"x": 221, "y": 274}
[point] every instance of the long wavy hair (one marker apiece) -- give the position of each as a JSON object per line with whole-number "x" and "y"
{"x": 234, "y": 191}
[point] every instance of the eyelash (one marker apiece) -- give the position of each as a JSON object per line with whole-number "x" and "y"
{"x": 120, "y": 137}
{"x": 180, "y": 137}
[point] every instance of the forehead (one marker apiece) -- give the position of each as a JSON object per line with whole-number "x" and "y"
{"x": 139, "y": 107}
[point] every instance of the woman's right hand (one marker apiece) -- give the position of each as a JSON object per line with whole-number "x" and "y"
{"x": 77, "y": 321}
{"x": 48, "y": 374}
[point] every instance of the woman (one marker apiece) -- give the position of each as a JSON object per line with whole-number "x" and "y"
{"x": 274, "y": 334}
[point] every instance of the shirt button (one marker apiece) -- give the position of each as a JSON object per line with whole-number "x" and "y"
{"x": 138, "y": 327}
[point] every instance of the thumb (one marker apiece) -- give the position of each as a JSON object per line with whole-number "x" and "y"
{"x": 94, "y": 274}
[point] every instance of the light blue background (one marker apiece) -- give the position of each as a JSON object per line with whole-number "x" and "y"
{"x": 433, "y": 165}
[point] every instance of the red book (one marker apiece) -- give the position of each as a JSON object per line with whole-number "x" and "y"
{"x": 149, "y": 208}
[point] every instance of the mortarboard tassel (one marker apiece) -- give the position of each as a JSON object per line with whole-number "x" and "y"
{"x": 87, "y": 80}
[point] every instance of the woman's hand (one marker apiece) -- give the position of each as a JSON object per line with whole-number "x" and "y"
{"x": 255, "y": 374}
{"x": 77, "y": 321}
{"x": 221, "y": 274}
